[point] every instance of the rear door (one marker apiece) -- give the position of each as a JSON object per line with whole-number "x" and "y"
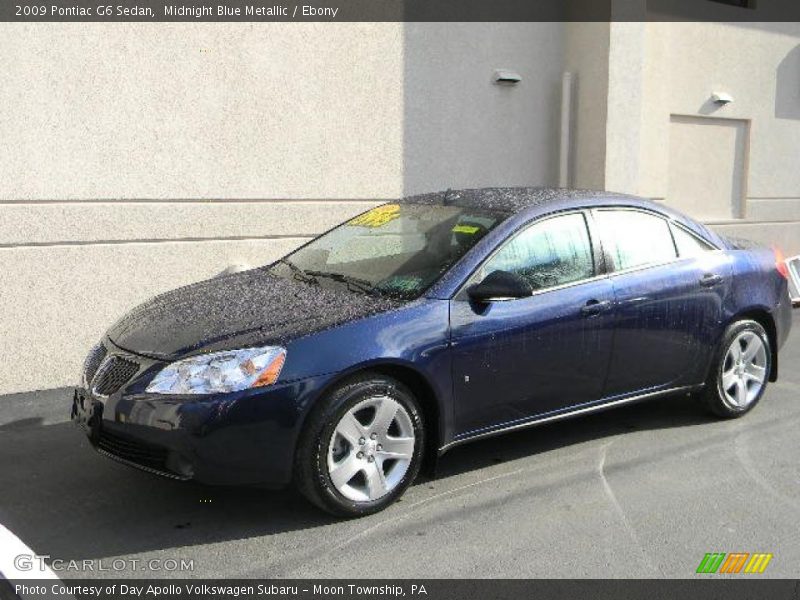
{"x": 669, "y": 289}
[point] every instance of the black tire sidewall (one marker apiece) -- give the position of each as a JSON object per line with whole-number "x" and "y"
{"x": 335, "y": 407}
{"x": 718, "y": 402}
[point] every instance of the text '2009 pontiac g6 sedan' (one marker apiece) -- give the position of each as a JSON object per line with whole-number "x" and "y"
{"x": 430, "y": 322}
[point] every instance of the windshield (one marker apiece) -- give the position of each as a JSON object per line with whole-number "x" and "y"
{"x": 395, "y": 250}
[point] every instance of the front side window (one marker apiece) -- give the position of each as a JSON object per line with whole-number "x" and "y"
{"x": 634, "y": 238}
{"x": 396, "y": 250}
{"x": 547, "y": 254}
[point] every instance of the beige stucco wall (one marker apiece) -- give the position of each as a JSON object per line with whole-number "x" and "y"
{"x": 463, "y": 130}
{"x": 586, "y": 57}
{"x": 210, "y": 110}
{"x": 137, "y": 158}
{"x": 758, "y": 64}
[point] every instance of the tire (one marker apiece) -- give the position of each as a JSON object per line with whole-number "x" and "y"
{"x": 351, "y": 461}
{"x": 739, "y": 371}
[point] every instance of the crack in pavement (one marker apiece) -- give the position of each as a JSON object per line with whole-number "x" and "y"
{"x": 413, "y": 508}
{"x": 743, "y": 455}
{"x": 609, "y": 492}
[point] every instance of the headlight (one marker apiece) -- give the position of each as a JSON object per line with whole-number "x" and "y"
{"x": 219, "y": 372}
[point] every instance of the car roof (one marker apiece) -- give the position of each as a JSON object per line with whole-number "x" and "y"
{"x": 523, "y": 202}
{"x": 512, "y": 200}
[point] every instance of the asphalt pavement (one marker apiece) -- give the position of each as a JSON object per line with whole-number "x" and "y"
{"x": 640, "y": 491}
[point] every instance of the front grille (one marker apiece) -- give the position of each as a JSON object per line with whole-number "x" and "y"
{"x": 134, "y": 451}
{"x": 96, "y": 356}
{"x": 113, "y": 374}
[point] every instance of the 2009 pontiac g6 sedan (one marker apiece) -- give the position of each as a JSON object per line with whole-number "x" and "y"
{"x": 429, "y": 322}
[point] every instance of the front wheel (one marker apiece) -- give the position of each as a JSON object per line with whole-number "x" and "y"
{"x": 362, "y": 447}
{"x": 740, "y": 371}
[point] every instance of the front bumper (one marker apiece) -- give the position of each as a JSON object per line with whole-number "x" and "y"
{"x": 228, "y": 439}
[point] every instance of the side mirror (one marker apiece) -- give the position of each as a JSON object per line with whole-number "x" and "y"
{"x": 499, "y": 285}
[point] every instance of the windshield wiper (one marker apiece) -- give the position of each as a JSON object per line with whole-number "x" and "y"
{"x": 360, "y": 284}
{"x": 299, "y": 273}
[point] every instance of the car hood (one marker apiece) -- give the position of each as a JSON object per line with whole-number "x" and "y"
{"x": 239, "y": 310}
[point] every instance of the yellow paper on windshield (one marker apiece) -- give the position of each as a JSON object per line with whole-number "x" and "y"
{"x": 377, "y": 217}
{"x": 469, "y": 229}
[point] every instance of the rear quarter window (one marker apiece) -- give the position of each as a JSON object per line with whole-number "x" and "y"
{"x": 688, "y": 244}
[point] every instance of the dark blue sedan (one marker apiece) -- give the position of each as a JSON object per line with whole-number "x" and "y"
{"x": 430, "y": 322}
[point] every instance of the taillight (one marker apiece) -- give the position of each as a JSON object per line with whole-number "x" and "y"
{"x": 780, "y": 263}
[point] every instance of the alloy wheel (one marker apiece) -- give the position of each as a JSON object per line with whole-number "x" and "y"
{"x": 744, "y": 370}
{"x": 371, "y": 449}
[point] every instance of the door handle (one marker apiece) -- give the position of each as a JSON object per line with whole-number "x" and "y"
{"x": 710, "y": 280}
{"x": 594, "y": 307}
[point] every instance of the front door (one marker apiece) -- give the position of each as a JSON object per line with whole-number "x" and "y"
{"x": 516, "y": 359}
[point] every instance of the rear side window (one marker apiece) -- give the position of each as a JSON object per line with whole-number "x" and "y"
{"x": 634, "y": 238}
{"x": 549, "y": 253}
{"x": 689, "y": 245}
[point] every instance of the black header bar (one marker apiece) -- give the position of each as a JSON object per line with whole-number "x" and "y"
{"x": 154, "y": 11}
{"x": 749, "y": 587}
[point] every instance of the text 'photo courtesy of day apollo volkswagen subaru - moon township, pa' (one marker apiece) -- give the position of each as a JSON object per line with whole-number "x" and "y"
{"x": 361, "y": 357}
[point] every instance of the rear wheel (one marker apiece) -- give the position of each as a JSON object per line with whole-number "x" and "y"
{"x": 362, "y": 447}
{"x": 740, "y": 372}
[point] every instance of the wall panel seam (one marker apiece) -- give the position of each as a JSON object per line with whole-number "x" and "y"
{"x": 155, "y": 241}
{"x": 112, "y": 201}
